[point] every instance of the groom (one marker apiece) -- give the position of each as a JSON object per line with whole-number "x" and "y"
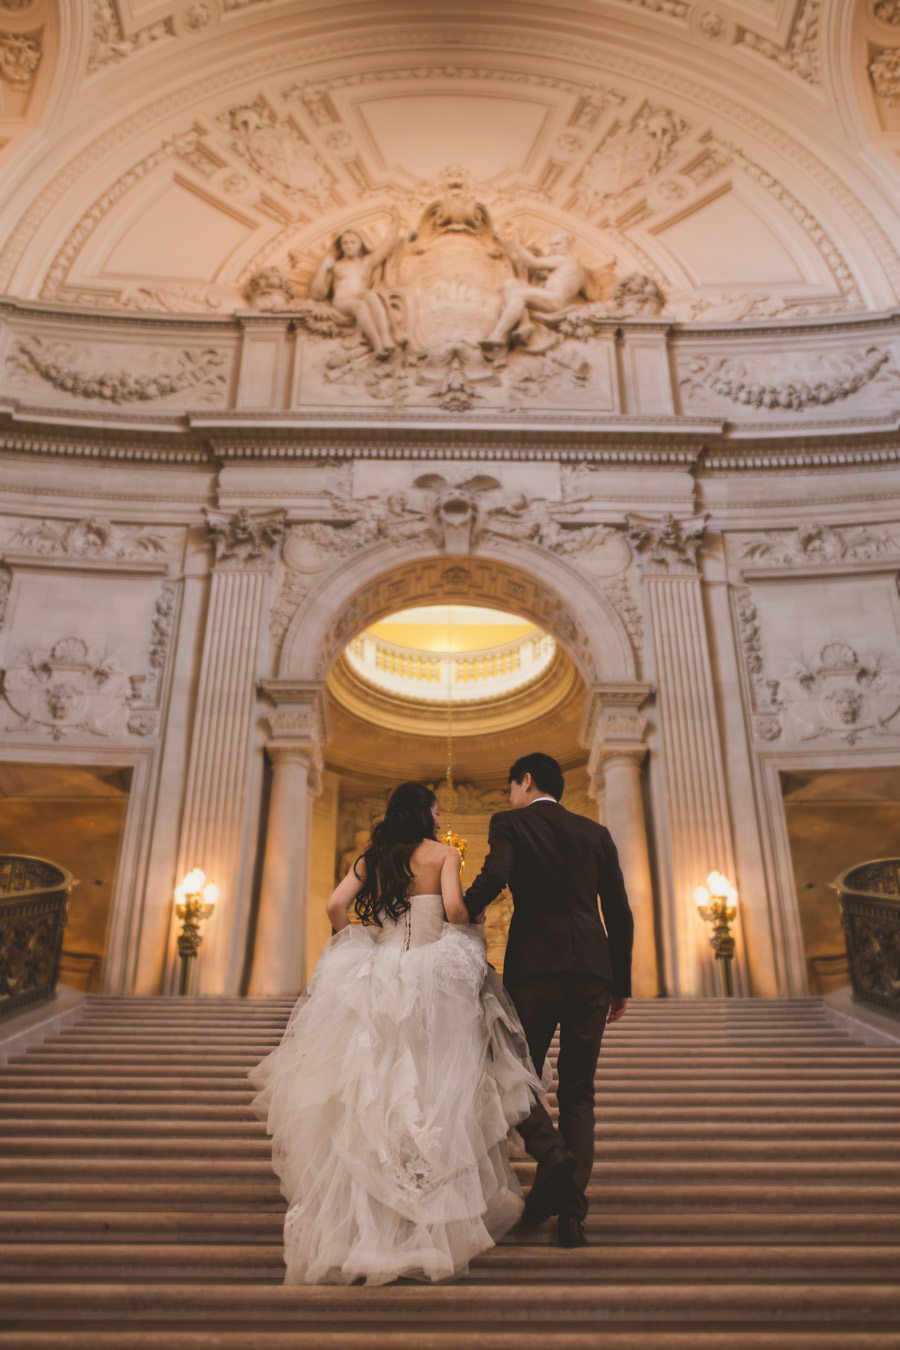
{"x": 562, "y": 969}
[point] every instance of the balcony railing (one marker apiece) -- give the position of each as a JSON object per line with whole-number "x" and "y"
{"x": 870, "y": 913}
{"x": 34, "y": 897}
{"x": 466, "y": 675}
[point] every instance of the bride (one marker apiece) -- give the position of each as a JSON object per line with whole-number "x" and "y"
{"x": 401, "y": 1072}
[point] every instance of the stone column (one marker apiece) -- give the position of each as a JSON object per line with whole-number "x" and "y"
{"x": 613, "y": 731}
{"x": 216, "y": 806}
{"x": 299, "y": 731}
{"x": 694, "y": 798}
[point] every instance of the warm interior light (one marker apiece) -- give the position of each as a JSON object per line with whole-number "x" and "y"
{"x": 701, "y": 896}
{"x": 194, "y": 881}
{"x": 210, "y": 893}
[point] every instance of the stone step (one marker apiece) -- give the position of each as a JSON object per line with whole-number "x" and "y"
{"x": 448, "y": 1305}
{"x": 243, "y": 1263}
{"x": 738, "y": 1150}
{"x": 608, "y": 1171}
{"x": 692, "y": 1226}
{"x": 650, "y": 1336}
{"x": 614, "y": 1198}
{"x": 21, "y": 1070}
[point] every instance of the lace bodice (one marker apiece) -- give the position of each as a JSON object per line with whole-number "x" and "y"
{"x": 422, "y": 923}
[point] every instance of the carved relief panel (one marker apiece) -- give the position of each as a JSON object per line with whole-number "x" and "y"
{"x": 816, "y": 673}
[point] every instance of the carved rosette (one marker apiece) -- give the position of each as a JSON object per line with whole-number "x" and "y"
{"x": 246, "y": 541}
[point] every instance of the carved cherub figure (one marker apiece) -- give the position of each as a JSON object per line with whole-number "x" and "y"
{"x": 564, "y": 280}
{"x": 345, "y": 277}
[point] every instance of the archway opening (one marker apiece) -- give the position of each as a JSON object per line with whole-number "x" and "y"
{"x": 511, "y": 688}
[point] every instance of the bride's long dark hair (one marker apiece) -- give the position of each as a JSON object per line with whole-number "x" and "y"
{"x": 407, "y": 821}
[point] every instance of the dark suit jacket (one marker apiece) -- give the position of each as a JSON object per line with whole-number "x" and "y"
{"x": 556, "y": 864}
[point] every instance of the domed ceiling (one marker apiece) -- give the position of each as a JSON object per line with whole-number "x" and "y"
{"x": 200, "y": 156}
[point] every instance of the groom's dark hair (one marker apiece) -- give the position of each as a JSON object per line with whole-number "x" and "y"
{"x": 545, "y": 773}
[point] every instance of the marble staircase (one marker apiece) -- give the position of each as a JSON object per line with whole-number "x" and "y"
{"x": 746, "y": 1196}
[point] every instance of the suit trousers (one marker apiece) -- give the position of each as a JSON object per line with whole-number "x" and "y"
{"x": 578, "y": 1004}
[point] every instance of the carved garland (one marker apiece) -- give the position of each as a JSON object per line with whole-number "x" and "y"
{"x": 57, "y": 363}
{"x": 836, "y": 379}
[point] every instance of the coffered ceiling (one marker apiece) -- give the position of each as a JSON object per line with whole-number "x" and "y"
{"x": 160, "y": 154}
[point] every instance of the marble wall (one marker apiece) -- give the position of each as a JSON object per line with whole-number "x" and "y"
{"x": 177, "y": 578}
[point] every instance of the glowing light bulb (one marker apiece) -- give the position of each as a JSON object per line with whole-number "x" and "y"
{"x": 210, "y": 892}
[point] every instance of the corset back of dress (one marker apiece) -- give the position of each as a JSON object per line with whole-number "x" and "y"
{"x": 422, "y": 923}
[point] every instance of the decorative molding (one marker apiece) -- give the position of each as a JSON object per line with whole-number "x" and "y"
{"x": 667, "y": 545}
{"x": 623, "y": 601}
{"x": 20, "y": 57}
{"x": 67, "y": 689}
{"x": 108, "y": 43}
{"x": 600, "y": 58}
{"x": 884, "y": 72}
{"x": 764, "y": 693}
{"x": 161, "y": 629}
{"x": 59, "y": 363}
{"x": 888, "y": 11}
{"x": 299, "y": 722}
{"x": 761, "y": 383}
{"x": 5, "y": 587}
{"x": 197, "y": 16}
{"x": 182, "y": 143}
{"x": 245, "y": 540}
{"x": 838, "y": 265}
{"x": 435, "y": 581}
{"x": 91, "y": 537}
{"x": 278, "y": 153}
{"x": 629, "y": 157}
{"x": 802, "y": 55}
{"x": 841, "y": 695}
{"x": 818, "y": 543}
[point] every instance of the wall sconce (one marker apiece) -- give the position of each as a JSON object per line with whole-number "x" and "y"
{"x": 195, "y": 900}
{"x": 717, "y": 905}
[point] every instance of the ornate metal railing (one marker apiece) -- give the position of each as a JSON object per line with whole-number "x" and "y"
{"x": 870, "y": 913}
{"x": 34, "y": 898}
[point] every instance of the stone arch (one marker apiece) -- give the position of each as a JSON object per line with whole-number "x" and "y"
{"x": 517, "y": 577}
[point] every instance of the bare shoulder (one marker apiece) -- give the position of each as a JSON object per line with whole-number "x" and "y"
{"x": 432, "y": 850}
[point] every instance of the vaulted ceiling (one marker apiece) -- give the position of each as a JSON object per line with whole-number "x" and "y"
{"x": 158, "y": 154}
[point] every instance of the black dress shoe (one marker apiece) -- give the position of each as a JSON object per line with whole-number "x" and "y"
{"x": 552, "y": 1184}
{"x": 570, "y": 1232}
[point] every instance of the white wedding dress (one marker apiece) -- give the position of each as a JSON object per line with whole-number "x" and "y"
{"x": 389, "y": 1101}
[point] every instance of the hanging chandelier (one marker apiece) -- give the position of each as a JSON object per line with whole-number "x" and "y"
{"x": 449, "y": 837}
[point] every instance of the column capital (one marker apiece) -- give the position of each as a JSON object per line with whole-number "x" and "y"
{"x": 613, "y": 725}
{"x": 666, "y": 545}
{"x": 299, "y": 720}
{"x": 245, "y": 541}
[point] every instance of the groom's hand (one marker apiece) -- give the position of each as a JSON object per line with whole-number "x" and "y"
{"x": 617, "y": 1008}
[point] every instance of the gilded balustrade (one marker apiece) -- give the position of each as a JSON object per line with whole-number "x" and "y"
{"x": 34, "y": 897}
{"x": 491, "y": 672}
{"x": 870, "y": 914}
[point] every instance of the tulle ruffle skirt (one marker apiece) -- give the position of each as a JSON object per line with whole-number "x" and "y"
{"x": 389, "y": 1101}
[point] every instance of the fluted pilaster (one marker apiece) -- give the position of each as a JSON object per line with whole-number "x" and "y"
{"x": 216, "y": 808}
{"x": 694, "y": 799}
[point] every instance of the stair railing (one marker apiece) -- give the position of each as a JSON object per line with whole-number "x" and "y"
{"x": 870, "y": 915}
{"x": 34, "y": 898}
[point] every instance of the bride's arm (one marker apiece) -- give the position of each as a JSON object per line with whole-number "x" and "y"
{"x": 343, "y": 895}
{"x": 451, "y": 888}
